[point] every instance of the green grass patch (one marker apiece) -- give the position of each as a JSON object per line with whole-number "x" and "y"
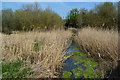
{"x": 17, "y": 69}
{"x": 37, "y": 45}
{"x": 75, "y": 48}
{"x": 79, "y": 53}
{"x": 77, "y": 72}
{"x": 66, "y": 74}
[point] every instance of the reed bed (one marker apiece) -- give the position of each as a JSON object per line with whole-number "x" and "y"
{"x": 43, "y": 51}
{"x": 102, "y": 45}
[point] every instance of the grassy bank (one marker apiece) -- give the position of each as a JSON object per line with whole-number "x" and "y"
{"x": 102, "y": 45}
{"x": 43, "y": 52}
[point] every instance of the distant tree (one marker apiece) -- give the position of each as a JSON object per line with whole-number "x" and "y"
{"x": 118, "y": 21}
{"x": 23, "y": 20}
{"x": 107, "y": 13}
{"x": 0, "y": 20}
{"x": 33, "y": 17}
{"x": 35, "y": 7}
{"x": 103, "y": 15}
{"x": 50, "y": 19}
{"x": 73, "y": 17}
{"x": 84, "y": 17}
{"x": 91, "y": 18}
{"x": 7, "y": 20}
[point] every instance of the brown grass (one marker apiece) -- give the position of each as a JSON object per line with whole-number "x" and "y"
{"x": 46, "y": 62}
{"x": 102, "y": 45}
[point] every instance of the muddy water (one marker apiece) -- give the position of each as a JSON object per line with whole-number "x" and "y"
{"x": 78, "y": 65}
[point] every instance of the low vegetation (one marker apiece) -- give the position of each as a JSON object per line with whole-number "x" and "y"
{"x": 101, "y": 44}
{"x": 43, "y": 52}
{"x": 17, "y": 69}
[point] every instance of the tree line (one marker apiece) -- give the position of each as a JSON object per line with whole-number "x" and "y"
{"x": 104, "y": 16}
{"x": 32, "y": 17}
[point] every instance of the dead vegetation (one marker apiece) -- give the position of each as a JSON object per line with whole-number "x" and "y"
{"x": 43, "y": 51}
{"x": 102, "y": 45}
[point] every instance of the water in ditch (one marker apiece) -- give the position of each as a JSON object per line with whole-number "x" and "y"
{"x": 78, "y": 65}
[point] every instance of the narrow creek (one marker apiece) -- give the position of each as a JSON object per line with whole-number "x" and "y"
{"x": 78, "y": 64}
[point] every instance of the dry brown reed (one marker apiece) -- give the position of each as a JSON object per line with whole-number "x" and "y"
{"x": 102, "y": 45}
{"x": 47, "y": 61}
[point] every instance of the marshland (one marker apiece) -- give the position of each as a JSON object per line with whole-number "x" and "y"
{"x": 39, "y": 43}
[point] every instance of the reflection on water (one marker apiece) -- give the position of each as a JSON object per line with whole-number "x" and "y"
{"x": 116, "y": 72}
{"x": 71, "y": 48}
